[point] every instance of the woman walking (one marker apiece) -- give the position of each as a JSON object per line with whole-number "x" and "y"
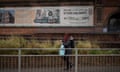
{"x": 68, "y": 43}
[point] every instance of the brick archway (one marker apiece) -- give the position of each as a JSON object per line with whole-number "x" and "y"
{"x": 114, "y": 22}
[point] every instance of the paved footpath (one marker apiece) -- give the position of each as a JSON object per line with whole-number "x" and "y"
{"x": 60, "y": 69}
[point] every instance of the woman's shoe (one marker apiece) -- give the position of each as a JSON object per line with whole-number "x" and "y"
{"x": 71, "y": 65}
{"x": 66, "y": 68}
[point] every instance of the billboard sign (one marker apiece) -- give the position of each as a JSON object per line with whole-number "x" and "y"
{"x": 47, "y": 16}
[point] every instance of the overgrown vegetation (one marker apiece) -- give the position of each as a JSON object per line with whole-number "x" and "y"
{"x": 20, "y": 42}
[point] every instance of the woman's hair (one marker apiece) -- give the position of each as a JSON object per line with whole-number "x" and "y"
{"x": 66, "y": 37}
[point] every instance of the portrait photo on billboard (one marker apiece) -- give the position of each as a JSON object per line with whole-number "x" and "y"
{"x": 47, "y": 16}
{"x": 7, "y": 16}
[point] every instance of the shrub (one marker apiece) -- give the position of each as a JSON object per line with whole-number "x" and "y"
{"x": 83, "y": 44}
{"x": 56, "y": 44}
{"x": 20, "y": 42}
{"x": 86, "y": 44}
{"x": 95, "y": 52}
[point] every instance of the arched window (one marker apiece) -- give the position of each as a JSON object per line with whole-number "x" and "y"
{"x": 114, "y": 23}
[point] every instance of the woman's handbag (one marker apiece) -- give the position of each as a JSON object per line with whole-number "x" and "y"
{"x": 62, "y": 50}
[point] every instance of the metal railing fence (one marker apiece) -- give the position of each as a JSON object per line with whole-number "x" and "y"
{"x": 49, "y": 60}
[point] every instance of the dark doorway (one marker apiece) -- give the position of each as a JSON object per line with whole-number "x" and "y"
{"x": 114, "y": 23}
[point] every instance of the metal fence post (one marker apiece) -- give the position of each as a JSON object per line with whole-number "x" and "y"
{"x": 76, "y": 60}
{"x": 19, "y": 60}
